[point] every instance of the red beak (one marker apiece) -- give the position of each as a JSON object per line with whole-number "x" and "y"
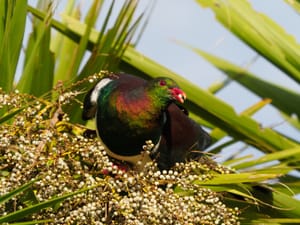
{"x": 178, "y": 94}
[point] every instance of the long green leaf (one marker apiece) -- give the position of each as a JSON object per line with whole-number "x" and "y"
{"x": 82, "y": 46}
{"x": 288, "y": 187}
{"x": 259, "y": 32}
{"x": 32, "y": 222}
{"x": 37, "y": 77}
{"x": 13, "y": 193}
{"x": 271, "y": 202}
{"x": 61, "y": 27}
{"x": 275, "y": 221}
{"x": 19, "y": 214}
{"x": 264, "y": 89}
{"x": 283, "y": 154}
{"x": 295, "y": 4}
{"x": 12, "y": 26}
{"x": 106, "y": 52}
{"x": 246, "y": 177}
{"x": 292, "y": 120}
{"x": 217, "y": 134}
{"x": 64, "y": 48}
{"x": 7, "y": 116}
{"x": 291, "y": 206}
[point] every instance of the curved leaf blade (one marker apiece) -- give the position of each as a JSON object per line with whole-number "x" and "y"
{"x": 259, "y": 32}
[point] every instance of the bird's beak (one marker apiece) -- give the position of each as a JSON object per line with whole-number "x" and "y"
{"x": 178, "y": 94}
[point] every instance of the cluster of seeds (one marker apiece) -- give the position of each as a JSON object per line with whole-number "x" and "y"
{"x": 13, "y": 100}
{"x": 64, "y": 162}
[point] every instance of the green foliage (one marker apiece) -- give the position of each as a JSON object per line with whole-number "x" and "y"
{"x": 259, "y": 32}
{"x": 55, "y": 76}
{"x": 11, "y": 194}
{"x": 12, "y": 27}
{"x": 25, "y": 212}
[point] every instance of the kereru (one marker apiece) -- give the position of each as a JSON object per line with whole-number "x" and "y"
{"x": 139, "y": 120}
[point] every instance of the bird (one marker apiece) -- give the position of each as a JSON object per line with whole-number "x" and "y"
{"x": 140, "y": 120}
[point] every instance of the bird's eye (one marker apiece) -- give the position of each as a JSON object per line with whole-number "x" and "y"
{"x": 162, "y": 83}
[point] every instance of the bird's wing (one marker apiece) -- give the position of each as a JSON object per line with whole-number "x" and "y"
{"x": 182, "y": 138}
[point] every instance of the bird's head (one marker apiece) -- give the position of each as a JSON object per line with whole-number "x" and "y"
{"x": 166, "y": 88}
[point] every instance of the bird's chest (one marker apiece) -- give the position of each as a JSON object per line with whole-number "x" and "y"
{"x": 127, "y": 114}
{"x": 128, "y": 127}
